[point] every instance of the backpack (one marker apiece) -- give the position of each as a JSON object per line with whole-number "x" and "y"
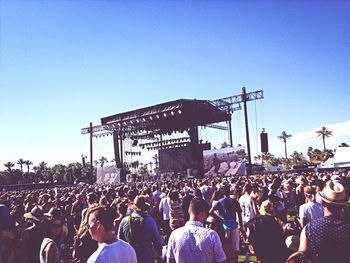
{"x": 137, "y": 231}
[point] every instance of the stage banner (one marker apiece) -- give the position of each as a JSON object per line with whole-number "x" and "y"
{"x": 224, "y": 162}
{"x": 108, "y": 174}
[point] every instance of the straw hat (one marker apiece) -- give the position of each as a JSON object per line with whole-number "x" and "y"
{"x": 334, "y": 193}
{"x": 300, "y": 180}
{"x": 35, "y": 214}
{"x": 266, "y": 208}
{"x": 140, "y": 204}
{"x": 54, "y": 214}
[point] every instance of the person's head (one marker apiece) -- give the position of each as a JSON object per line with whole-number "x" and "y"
{"x": 198, "y": 209}
{"x": 266, "y": 208}
{"x": 100, "y": 222}
{"x": 122, "y": 206}
{"x": 198, "y": 193}
{"x": 214, "y": 222}
{"x": 247, "y": 188}
{"x": 334, "y": 197}
{"x": 55, "y": 222}
{"x": 309, "y": 193}
{"x": 174, "y": 195}
{"x": 266, "y": 239}
{"x": 139, "y": 204}
{"x": 91, "y": 198}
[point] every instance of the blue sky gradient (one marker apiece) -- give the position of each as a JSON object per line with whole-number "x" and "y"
{"x": 66, "y": 63}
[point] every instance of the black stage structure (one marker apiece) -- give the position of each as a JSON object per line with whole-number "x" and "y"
{"x": 164, "y": 119}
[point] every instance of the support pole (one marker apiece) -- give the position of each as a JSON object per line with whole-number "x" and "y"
{"x": 244, "y": 99}
{"x": 230, "y": 129}
{"x": 91, "y": 159}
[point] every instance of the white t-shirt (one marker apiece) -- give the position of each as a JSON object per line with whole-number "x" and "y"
{"x": 195, "y": 243}
{"x": 164, "y": 206}
{"x": 117, "y": 252}
{"x": 247, "y": 208}
{"x": 310, "y": 211}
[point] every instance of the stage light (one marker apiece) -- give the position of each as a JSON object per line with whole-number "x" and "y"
{"x": 137, "y": 120}
{"x": 143, "y": 119}
{"x": 179, "y": 111}
{"x": 172, "y": 113}
{"x": 150, "y": 117}
{"x": 124, "y": 123}
{"x": 157, "y": 116}
{"x": 164, "y": 114}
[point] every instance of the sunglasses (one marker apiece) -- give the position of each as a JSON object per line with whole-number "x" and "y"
{"x": 211, "y": 224}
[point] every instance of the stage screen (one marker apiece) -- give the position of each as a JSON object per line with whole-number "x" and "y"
{"x": 108, "y": 174}
{"x": 224, "y": 162}
{"x": 175, "y": 159}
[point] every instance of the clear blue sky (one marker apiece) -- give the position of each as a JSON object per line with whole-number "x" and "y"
{"x": 66, "y": 63}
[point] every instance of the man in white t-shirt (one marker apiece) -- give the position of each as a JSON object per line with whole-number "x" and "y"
{"x": 193, "y": 242}
{"x": 165, "y": 213}
{"x": 311, "y": 210}
{"x": 110, "y": 249}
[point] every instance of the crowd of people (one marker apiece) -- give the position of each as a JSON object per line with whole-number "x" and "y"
{"x": 270, "y": 218}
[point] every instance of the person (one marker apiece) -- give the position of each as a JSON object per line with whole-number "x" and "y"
{"x": 216, "y": 164}
{"x": 175, "y": 210}
{"x": 83, "y": 244}
{"x": 214, "y": 222}
{"x": 77, "y": 209}
{"x": 311, "y": 210}
{"x": 164, "y": 210}
{"x": 141, "y": 232}
{"x": 247, "y": 206}
{"x": 266, "y": 239}
{"x": 33, "y": 235}
{"x": 110, "y": 249}
{"x": 193, "y": 242}
{"x": 327, "y": 239}
{"x": 49, "y": 249}
{"x": 227, "y": 209}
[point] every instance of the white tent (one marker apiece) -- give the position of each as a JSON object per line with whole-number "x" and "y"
{"x": 341, "y": 159}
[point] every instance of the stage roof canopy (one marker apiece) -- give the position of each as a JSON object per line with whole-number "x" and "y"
{"x": 176, "y": 115}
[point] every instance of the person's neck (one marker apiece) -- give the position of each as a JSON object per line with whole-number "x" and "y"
{"x": 196, "y": 218}
{"x": 109, "y": 238}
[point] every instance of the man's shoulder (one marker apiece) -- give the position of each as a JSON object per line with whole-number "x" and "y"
{"x": 199, "y": 230}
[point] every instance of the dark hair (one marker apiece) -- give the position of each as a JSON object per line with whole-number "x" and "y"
{"x": 219, "y": 225}
{"x": 105, "y": 215}
{"x": 91, "y": 198}
{"x": 267, "y": 238}
{"x": 197, "y": 206}
{"x": 334, "y": 209}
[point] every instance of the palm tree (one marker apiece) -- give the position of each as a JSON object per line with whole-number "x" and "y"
{"x": 28, "y": 163}
{"x": 284, "y": 137}
{"x": 297, "y": 158}
{"x": 42, "y": 166}
{"x": 20, "y": 162}
{"x": 324, "y": 133}
{"x": 9, "y": 166}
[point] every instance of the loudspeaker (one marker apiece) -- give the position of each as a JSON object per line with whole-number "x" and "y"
{"x": 264, "y": 142}
{"x": 134, "y": 143}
